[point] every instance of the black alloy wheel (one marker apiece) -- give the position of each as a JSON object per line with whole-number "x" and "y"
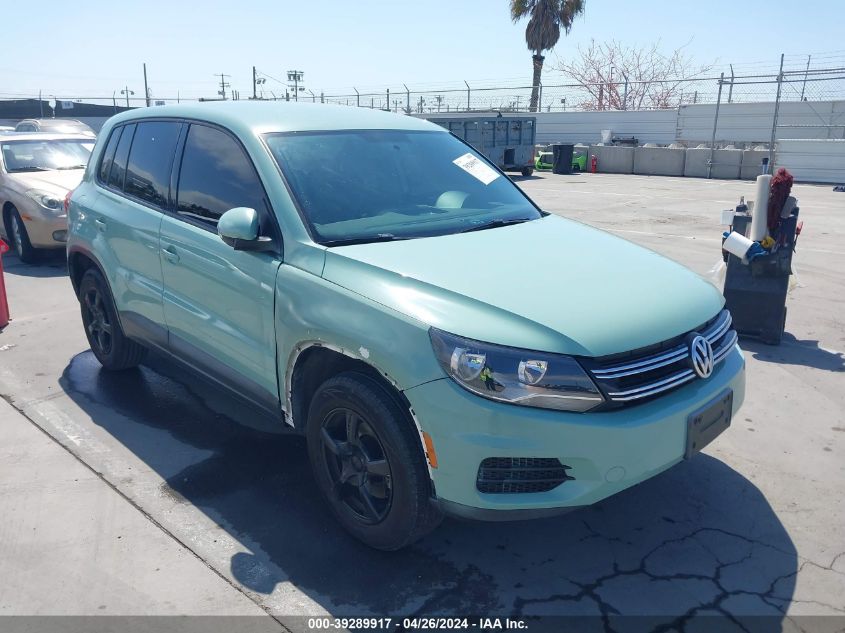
{"x": 357, "y": 465}
{"x": 96, "y": 320}
{"x": 368, "y": 462}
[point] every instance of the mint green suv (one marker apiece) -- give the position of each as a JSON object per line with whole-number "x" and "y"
{"x": 377, "y": 285}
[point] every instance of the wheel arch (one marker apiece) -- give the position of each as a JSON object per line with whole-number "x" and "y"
{"x": 312, "y": 363}
{"x": 79, "y": 261}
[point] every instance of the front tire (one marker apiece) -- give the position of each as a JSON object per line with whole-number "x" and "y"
{"x": 367, "y": 461}
{"x": 102, "y": 327}
{"x": 527, "y": 171}
{"x": 16, "y": 230}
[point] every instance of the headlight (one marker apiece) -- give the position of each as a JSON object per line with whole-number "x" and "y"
{"x": 507, "y": 374}
{"x": 49, "y": 201}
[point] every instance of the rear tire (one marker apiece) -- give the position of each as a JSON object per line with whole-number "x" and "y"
{"x": 16, "y": 230}
{"x": 367, "y": 461}
{"x": 102, "y": 327}
{"x": 527, "y": 171}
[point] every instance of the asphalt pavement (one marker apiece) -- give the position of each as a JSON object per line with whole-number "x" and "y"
{"x": 142, "y": 493}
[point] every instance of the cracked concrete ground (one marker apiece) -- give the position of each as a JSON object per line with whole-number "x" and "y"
{"x": 754, "y": 526}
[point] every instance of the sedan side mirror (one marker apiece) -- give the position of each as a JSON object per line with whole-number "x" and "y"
{"x": 239, "y": 227}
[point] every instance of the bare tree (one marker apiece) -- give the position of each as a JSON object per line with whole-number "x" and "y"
{"x": 619, "y": 77}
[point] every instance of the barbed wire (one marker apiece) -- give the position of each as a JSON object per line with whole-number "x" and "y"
{"x": 807, "y": 83}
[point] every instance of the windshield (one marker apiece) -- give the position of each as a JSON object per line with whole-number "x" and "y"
{"x": 375, "y": 185}
{"x": 20, "y": 156}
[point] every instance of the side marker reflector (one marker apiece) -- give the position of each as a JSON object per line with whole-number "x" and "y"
{"x": 429, "y": 450}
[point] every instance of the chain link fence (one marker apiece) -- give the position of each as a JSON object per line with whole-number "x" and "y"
{"x": 809, "y": 83}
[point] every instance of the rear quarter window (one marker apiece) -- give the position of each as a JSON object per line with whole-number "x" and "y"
{"x": 108, "y": 155}
{"x": 117, "y": 172}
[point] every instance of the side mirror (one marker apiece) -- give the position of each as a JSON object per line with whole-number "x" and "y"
{"x": 238, "y": 228}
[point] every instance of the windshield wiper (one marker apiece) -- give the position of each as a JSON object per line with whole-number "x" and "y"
{"x": 72, "y": 167}
{"x": 381, "y": 237}
{"x": 494, "y": 224}
{"x": 27, "y": 168}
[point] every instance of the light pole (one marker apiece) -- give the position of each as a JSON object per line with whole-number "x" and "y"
{"x": 126, "y": 91}
{"x": 295, "y": 77}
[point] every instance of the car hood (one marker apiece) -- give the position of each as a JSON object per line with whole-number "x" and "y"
{"x": 552, "y": 284}
{"x": 58, "y": 181}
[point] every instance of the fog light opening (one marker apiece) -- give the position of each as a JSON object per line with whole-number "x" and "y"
{"x": 60, "y": 236}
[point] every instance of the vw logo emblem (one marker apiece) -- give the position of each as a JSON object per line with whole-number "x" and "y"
{"x": 701, "y": 356}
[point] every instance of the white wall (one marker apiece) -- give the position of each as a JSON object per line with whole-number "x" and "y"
{"x": 752, "y": 122}
{"x": 738, "y": 122}
{"x": 813, "y": 160}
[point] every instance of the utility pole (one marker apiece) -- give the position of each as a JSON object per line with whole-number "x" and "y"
{"x": 126, "y": 91}
{"x": 295, "y": 77}
{"x": 223, "y": 85}
{"x": 146, "y": 88}
{"x": 254, "y": 85}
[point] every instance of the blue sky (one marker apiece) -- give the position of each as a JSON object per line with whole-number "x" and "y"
{"x": 95, "y": 47}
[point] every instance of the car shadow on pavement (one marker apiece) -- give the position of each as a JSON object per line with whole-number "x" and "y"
{"x": 697, "y": 539}
{"x": 49, "y": 264}
{"x": 793, "y": 351}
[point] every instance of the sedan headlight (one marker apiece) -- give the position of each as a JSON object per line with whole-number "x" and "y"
{"x": 46, "y": 199}
{"x": 507, "y": 374}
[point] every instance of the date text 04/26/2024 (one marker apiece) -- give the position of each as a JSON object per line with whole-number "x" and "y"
{"x": 417, "y": 623}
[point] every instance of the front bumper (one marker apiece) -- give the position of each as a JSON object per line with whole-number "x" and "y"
{"x": 40, "y": 227}
{"x": 607, "y": 452}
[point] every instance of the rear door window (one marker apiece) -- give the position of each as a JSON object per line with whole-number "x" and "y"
{"x": 150, "y": 161}
{"x": 216, "y": 175}
{"x": 108, "y": 154}
{"x": 117, "y": 173}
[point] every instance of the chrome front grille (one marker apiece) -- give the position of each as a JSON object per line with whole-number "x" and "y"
{"x": 635, "y": 377}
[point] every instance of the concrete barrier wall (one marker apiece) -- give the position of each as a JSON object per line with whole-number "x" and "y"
{"x": 659, "y": 161}
{"x": 726, "y": 163}
{"x": 612, "y": 159}
{"x": 751, "y": 163}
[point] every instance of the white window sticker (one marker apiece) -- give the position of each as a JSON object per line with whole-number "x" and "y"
{"x": 474, "y": 167}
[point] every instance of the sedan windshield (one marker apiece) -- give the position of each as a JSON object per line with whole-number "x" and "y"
{"x": 358, "y": 186}
{"x": 37, "y": 155}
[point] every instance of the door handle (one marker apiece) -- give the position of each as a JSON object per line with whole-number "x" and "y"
{"x": 171, "y": 254}
{"x": 101, "y": 224}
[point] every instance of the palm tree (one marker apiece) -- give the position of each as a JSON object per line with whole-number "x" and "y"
{"x": 543, "y": 30}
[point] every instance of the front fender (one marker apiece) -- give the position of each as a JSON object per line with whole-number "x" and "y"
{"x": 312, "y": 311}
